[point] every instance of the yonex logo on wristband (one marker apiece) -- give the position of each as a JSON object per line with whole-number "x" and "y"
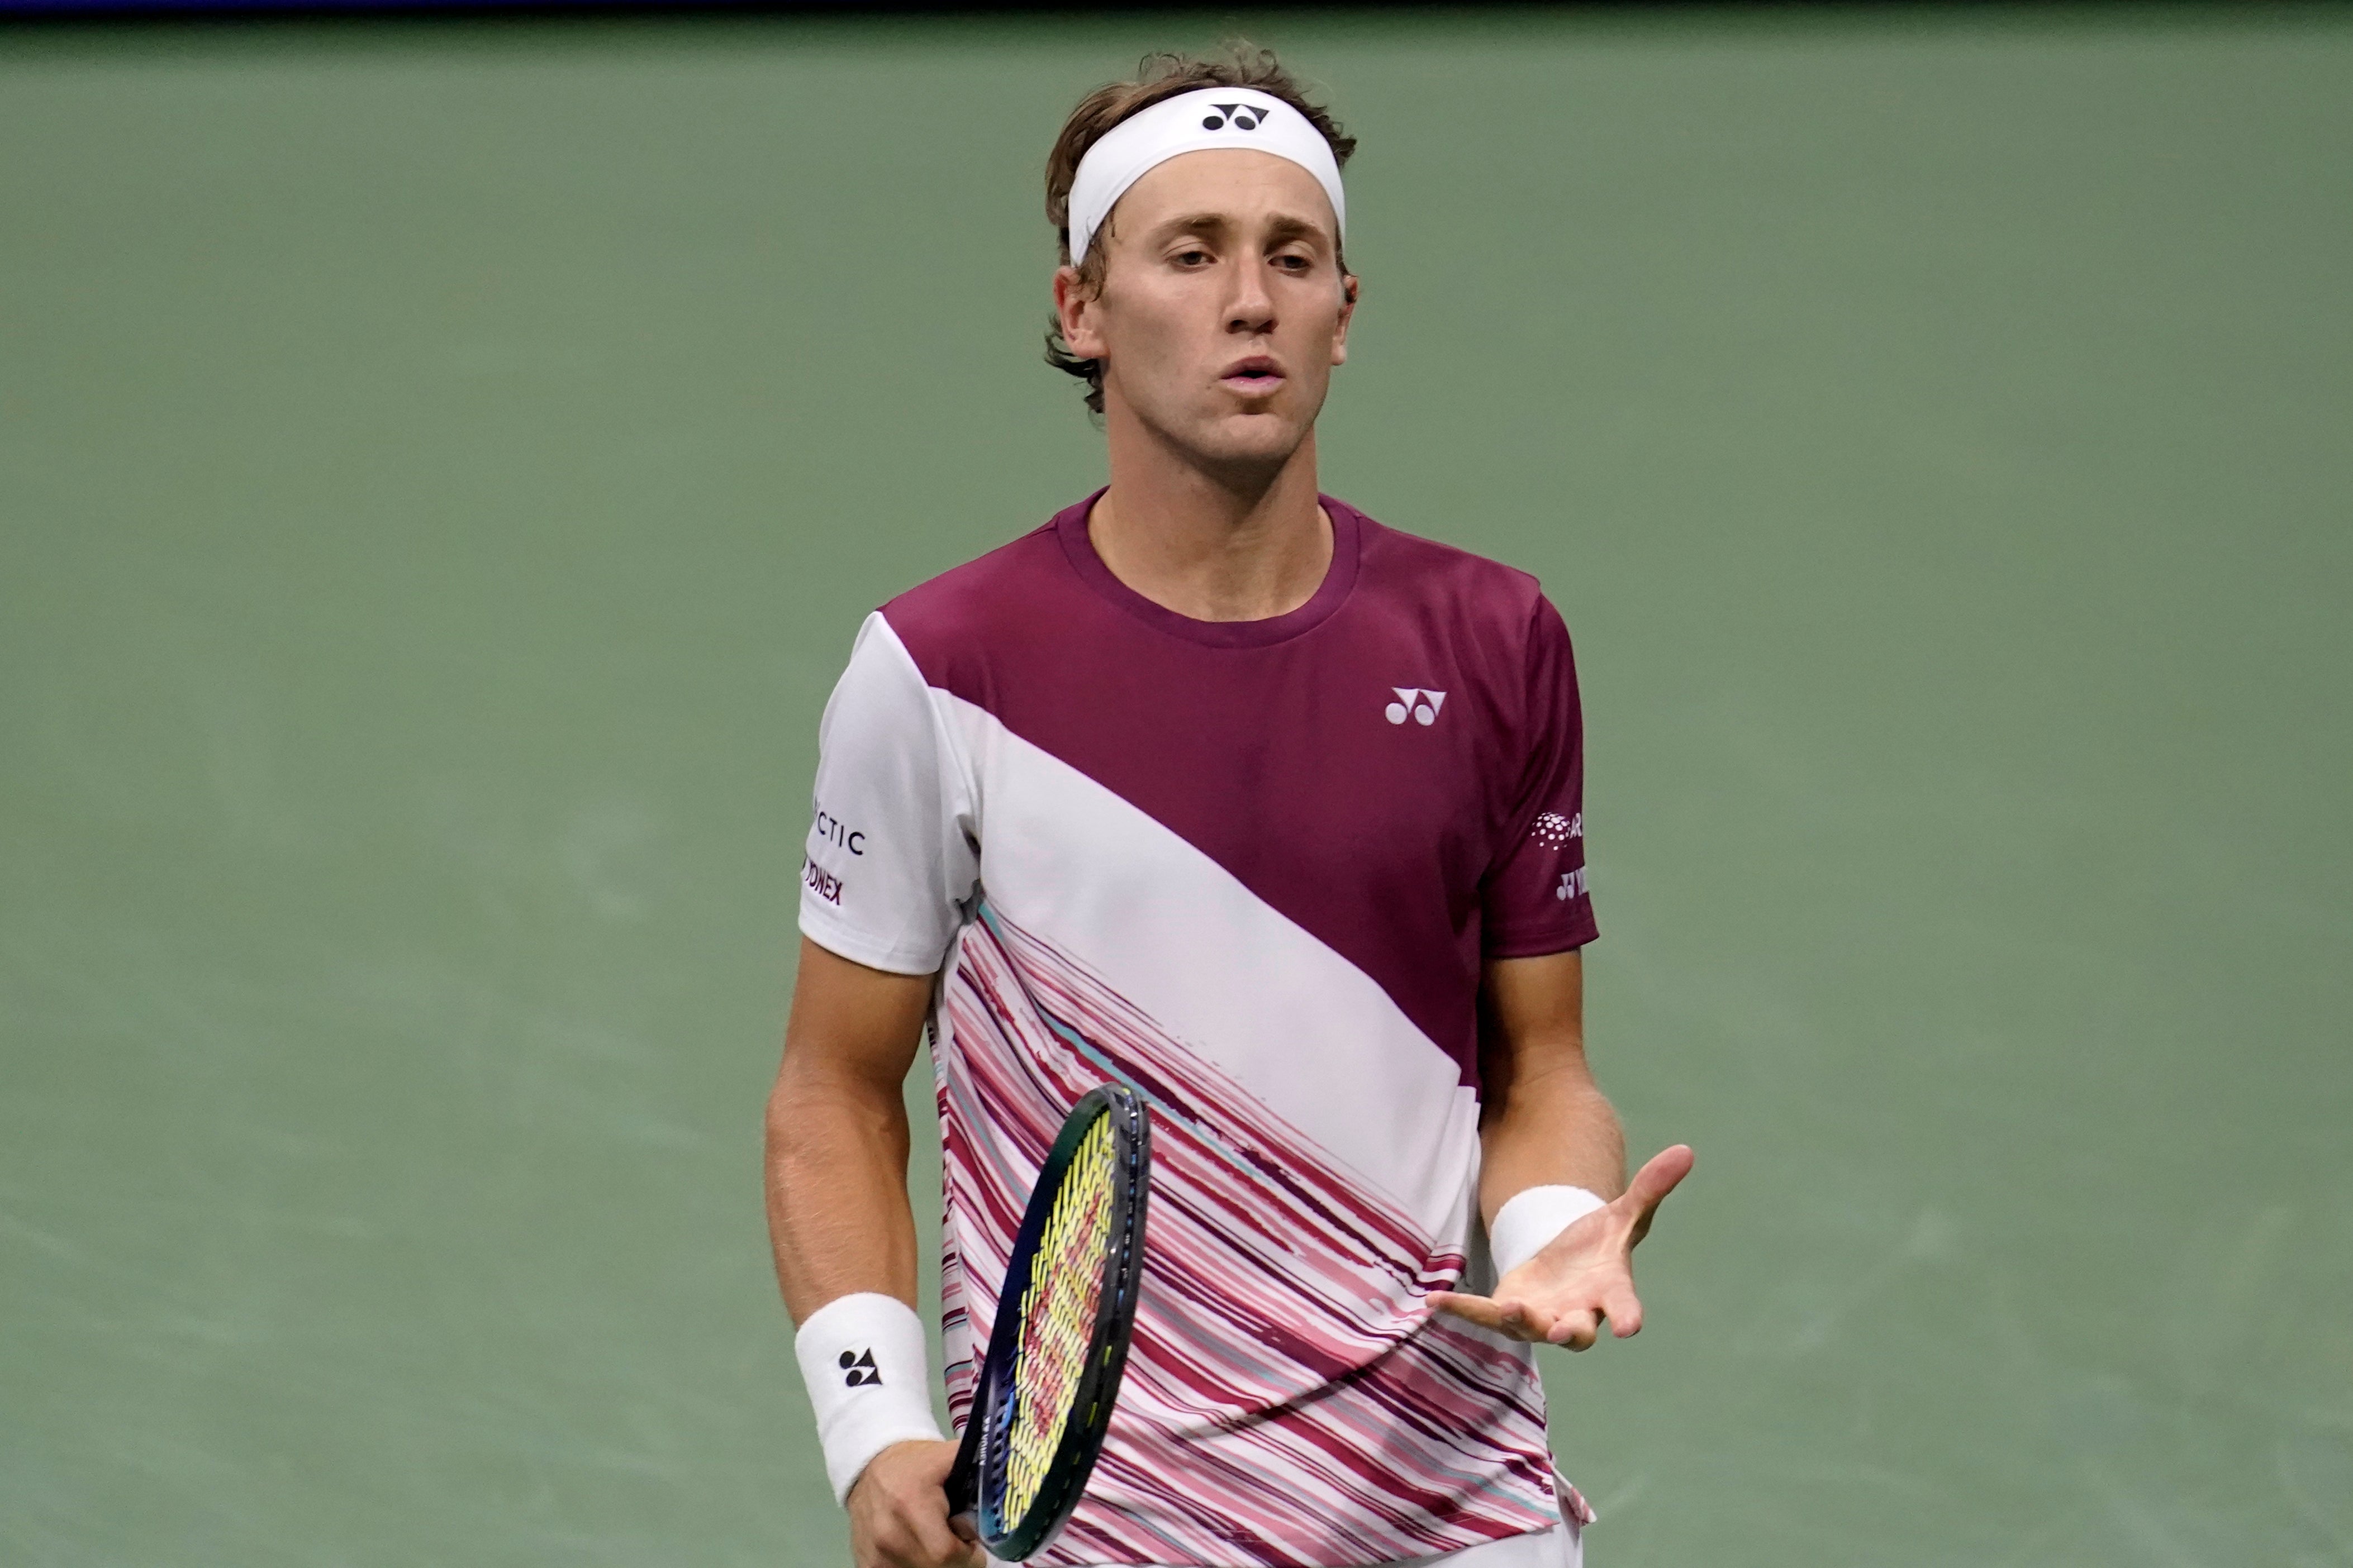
{"x": 858, "y": 1415}
{"x": 1412, "y": 699}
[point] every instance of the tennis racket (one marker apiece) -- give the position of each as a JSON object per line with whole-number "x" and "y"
{"x": 1059, "y": 1344}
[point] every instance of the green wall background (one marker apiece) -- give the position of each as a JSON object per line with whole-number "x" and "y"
{"x": 441, "y": 469}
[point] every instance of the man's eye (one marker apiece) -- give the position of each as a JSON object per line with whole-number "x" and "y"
{"x": 1190, "y": 257}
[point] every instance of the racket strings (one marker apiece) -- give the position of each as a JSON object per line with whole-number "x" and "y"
{"x": 1057, "y": 1316}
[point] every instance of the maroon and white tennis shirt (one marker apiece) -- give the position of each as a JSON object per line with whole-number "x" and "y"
{"x": 1251, "y": 869}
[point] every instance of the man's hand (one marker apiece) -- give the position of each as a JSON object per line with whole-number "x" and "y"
{"x": 899, "y": 1511}
{"x": 1583, "y": 1275}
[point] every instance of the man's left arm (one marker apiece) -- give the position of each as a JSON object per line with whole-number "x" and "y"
{"x": 1546, "y": 1129}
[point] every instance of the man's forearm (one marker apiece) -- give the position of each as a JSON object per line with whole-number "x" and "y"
{"x": 836, "y": 1180}
{"x": 836, "y": 1159}
{"x": 1545, "y": 1121}
{"x": 1554, "y": 1127}
{"x": 845, "y": 1243}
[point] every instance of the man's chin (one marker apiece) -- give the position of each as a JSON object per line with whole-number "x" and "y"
{"x": 1247, "y": 440}
{"x": 1242, "y": 445}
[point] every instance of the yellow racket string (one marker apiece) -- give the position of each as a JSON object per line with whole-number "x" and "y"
{"x": 1058, "y": 1316}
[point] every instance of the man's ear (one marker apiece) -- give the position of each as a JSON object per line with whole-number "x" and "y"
{"x": 1074, "y": 309}
{"x": 1347, "y": 314}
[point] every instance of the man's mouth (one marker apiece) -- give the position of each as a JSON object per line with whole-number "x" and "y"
{"x": 1252, "y": 377}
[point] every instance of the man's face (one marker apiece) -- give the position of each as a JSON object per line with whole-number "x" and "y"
{"x": 1222, "y": 308}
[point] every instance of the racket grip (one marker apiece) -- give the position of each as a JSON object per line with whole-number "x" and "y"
{"x": 964, "y": 1475}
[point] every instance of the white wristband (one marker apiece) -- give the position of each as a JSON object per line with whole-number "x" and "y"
{"x": 869, "y": 1379}
{"x": 1533, "y": 1216}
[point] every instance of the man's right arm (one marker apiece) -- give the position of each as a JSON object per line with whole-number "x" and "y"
{"x": 839, "y": 1219}
{"x": 838, "y": 1209}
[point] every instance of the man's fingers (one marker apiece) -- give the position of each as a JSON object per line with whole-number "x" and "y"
{"x": 934, "y": 1544}
{"x": 1479, "y": 1309}
{"x": 1659, "y": 1175}
{"x": 1525, "y": 1320}
{"x": 1508, "y": 1317}
{"x": 1575, "y": 1331}
{"x": 899, "y": 1512}
{"x": 938, "y": 1544}
{"x": 897, "y": 1543}
{"x": 1652, "y": 1183}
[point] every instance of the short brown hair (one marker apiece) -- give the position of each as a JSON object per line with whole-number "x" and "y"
{"x": 1158, "y": 77}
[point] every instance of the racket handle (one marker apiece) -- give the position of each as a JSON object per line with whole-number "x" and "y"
{"x": 964, "y": 1475}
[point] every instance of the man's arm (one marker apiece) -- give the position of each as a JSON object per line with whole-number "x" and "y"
{"x": 840, "y": 1218}
{"x": 1543, "y": 1121}
{"x": 838, "y": 1209}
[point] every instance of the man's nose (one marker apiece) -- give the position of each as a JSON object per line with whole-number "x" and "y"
{"x": 1251, "y": 310}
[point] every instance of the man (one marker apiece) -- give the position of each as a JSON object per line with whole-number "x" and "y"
{"x": 1218, "y": 787}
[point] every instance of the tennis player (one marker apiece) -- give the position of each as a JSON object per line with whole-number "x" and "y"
{"x": 1214, "y": 786}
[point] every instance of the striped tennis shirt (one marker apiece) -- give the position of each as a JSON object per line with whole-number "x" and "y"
{"x": 1251, "y": 869}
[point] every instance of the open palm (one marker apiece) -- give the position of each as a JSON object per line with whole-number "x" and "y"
{"x": 1582, "y": 1277}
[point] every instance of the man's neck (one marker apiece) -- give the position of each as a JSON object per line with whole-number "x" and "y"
{"x": 1210, "y": 547}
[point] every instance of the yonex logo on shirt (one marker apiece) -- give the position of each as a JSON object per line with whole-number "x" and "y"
{"x": 1242, "y": 116}
{"x": 1422, "y": 705}
{"x": 1572, "y": 885}
{"x": 822, "y": 883}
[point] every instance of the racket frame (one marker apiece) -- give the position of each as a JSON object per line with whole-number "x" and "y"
{"x": 977, "y": 1479}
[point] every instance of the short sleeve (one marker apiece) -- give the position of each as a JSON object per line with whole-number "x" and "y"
{"x": 1536, "y": 899}
{"x": 893, "y": 860}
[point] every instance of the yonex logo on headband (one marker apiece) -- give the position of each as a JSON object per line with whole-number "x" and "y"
{"x": 1243, "y": 116}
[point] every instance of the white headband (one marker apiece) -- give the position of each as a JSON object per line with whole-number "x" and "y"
{"x": 1193, "y": 122}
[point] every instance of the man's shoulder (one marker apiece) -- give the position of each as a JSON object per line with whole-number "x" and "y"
{"x": 1471, "y": 590}
{"x": 971, "y": 607}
